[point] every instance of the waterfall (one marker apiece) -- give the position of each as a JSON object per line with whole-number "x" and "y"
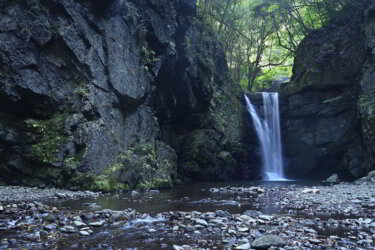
{"x": 268, "y": 132}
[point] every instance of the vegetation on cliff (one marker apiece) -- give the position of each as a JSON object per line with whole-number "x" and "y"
{"x": 261, "y": 37}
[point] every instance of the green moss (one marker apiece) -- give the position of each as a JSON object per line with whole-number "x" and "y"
{"x": 81, "y": 91}
{"x": 157, "y": 183}
{"x": 50, "y": 137}
{"x": 97, "y": 183}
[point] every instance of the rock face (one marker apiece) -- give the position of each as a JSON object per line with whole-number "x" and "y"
{"x": 110, "y": 94}
{"x": 328, "y": 120}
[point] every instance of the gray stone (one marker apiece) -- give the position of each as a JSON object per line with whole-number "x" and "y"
{"x": 333, "y": 179}
{"x": 78, "y": 223}
{"x": 244, "y": 246}
{"x": 201, "y": 222}
{"x": 43, "y": 234}
{"x": 97, "y": 223}
{"x": 221, "y": 213}
{"x": 68, "y": 229}
{"x": 268, "y": 241}
{"x": 84, "y": 233}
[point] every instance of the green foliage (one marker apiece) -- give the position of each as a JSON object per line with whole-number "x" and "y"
{"x": 81, "y": 91}
{"x": 50, "y": 137}
{"x": 261, "y": 37}
{"x": 142, "y": 162}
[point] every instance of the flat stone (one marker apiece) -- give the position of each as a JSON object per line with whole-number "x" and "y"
{"x": 97, "y": 223}
{"x": 244, "y": 246}
{"x": 310, "y": 191}
{"x": 201, "y": 222}
{"x": 268, "y": 241}
{"x": 84, "y": 233}
{"x": 77, "y": 218}
{"x": 265, "y": 217}
{"x": 60, "y": 195}
{"x": 43, "y": 234}
{"x": 314, "y": 241}
{"x": 333, "y": 179}
{"x": 50, "y": 227}
{"x": 243, "y": 229}
{"x": 246, "y": 218}
{"x": 184, "y": 247}
{"x": 50, "y": 218}
{"x": 78, "y": 223}
{"x": 221, "y": 213}
{"x": 68, "y": 229}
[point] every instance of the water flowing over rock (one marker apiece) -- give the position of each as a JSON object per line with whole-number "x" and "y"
{"x": 136, "y": 90}
{"x": 268, "y": 132}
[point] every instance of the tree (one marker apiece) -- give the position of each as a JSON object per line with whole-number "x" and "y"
{"x": 260, "y": 37}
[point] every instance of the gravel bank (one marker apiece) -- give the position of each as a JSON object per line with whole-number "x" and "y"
{"x": 18, "y": 194}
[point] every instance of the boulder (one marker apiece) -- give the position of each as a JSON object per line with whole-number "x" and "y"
{"x": 268, "y": 241}
{"x": 333, "y": 179}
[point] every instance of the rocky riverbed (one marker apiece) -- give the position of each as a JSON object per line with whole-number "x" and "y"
{"x": 261, "y": 216}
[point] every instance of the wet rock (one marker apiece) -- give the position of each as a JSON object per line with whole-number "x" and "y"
{"x": 50, "y": 227}
{"x": 92, "y": 205}
{"x": 1, "y": 209}
{"x": 221, "y": 213}
{"x": 184, "y": 247}
{"x": 78, "y": 223}
{"x": 77, "y": 218}
{"x": 333, "y": 179}
{"x": 265, "y": 217}
{"x": 68, "y": 229}
{"x": 268, "y": 241}
{"x": 244, "y": 246}
{"x": 201, "y": 222}
{"x": 190, "y": 228}
{"x": 314, "y": 241}
{"x": 310, "y": 191}
{"x": 60, "y": 195}
{"x": 84, "y": 233}
{"x": 97, "y": 223}
{"x": 50, "y": 218}
{"x": 43, "y": 234}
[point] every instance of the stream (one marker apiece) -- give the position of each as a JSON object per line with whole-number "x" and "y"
{"x": 200, "y": 215}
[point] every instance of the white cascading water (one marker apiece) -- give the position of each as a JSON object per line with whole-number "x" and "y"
{"x": 268, "y": 132}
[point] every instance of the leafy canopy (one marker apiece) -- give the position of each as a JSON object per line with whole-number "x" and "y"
{"x": 261, "y": 37}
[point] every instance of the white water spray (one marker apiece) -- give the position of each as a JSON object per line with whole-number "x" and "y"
{"x": 268, "y": 132}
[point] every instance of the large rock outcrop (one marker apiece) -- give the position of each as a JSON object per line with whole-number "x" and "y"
{"x": 111, "y": 94}
{"x": 328, "y": 107}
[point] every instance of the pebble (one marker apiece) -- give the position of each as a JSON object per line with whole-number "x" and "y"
{"x": 43, "y": 234}
{"x": 84, "y": 233}
{"x": 78, "y": 223}
{"x": 68, "y": 229}
{"x": 314, "y": 241}
{"x": 311, "y": 191}
{"x": 244, "y": 246}
{"x": 201, "y": 222}
{"x": 97, "y": 223}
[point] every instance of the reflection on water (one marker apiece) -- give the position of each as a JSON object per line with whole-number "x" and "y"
{"x": 189, "y": 197}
